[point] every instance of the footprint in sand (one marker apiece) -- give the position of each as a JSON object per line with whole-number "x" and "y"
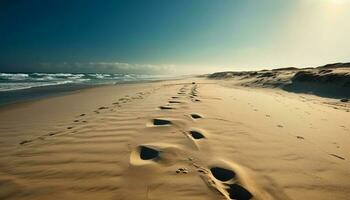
{"x": 239, "y": 193}
{"x": 196, "y": 100}
{"x": 25, "y": 142}
{"x": 161, "y": 122}
{"x": 195, "y": 116}
{"x": 226, "y": 176}
{"x": 165, "y": 108}
{"x": 196, "y": 135}
{"x": 51, "y": 134}
{"x": 182, "y": 170}
{"x": 147, "y": 153}
{"x": 123, "y": 99}
{"x": 222, "y": 174}
{"x": 336, "y": 144}
{"x": 174, "y": 101}
{"x": 103, "y": 108}
{"x": 40, "y": 137}
{"x": 155, "y": 153}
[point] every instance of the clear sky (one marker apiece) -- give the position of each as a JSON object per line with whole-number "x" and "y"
{"x": 171, "y": 36}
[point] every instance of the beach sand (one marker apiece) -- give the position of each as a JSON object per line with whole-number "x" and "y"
{"x": 186, "y": 140}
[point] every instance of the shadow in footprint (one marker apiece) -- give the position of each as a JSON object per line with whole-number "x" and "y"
{"x": 52, "y": 133}
{"x": 174, "y": 102}
{"x": 147, "y": 153}
{"x": 235, "y": 191}
{"x": 196, "y": 116}
{"x": 161, "y": 122}
{"x": 25, "y": 142}
{"x": 239, "y": 193}
{"x": 165, "y": 108}
{"x": 197, "y": 135}
{"x": 222, "y": 174}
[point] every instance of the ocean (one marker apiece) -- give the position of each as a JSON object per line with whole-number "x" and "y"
{"x": 16, "y": 87}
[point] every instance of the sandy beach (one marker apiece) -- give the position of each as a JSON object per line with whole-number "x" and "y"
{"x": 194, "y": 138}
{"x": 175, "y": 100}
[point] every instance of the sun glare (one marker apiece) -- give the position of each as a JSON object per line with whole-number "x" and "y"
{"x": 339, "y": 2}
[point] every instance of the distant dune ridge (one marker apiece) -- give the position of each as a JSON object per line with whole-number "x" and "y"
{"x": 331, "y": 80}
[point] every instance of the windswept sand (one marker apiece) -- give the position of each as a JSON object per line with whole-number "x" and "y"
{"x": 332, "y": 80}
{"x": 176, "y": 140}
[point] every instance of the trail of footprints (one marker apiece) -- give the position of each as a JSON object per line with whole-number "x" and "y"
{"x": 83, "y": 118}
{"x": 219, "y": 179}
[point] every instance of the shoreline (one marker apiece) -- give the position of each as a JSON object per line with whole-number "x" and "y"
{"x": 55, "y": 91}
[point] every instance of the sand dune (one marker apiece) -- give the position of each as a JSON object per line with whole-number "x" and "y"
{"x": 185, "y": 139}
{"x": 331, "y": 80}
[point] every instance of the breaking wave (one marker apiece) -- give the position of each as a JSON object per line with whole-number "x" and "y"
{"x": 20, "y": 81}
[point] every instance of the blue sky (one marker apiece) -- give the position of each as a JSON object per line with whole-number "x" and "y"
{"x": 182, "y": 36}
